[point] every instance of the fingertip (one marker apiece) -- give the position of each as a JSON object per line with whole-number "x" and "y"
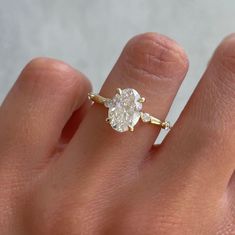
{"x": 155, "y": 54}
{"x": 42, "y": 67}
{"x": 164, "y": 41}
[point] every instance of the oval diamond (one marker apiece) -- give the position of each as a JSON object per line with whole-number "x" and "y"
{"x": 124, "y": 113}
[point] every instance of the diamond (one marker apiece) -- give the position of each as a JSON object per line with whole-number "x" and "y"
{"x": 108, "y": 103}
{"x": 167, "y": 126}
{"x": 145, "y": 117}
{"x": 124, "y": 110}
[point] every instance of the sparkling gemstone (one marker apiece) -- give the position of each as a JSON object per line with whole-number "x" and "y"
{"x": 108, "y": 103}
{"x": 124, "y": 110}
{"x": 167, "y": 126}
{"x": 145, "y": 117}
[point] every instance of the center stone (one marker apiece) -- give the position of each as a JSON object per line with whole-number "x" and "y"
{"x": 124, "y": 110}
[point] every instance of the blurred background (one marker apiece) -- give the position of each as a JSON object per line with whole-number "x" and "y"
{"x": 90, "y": 34}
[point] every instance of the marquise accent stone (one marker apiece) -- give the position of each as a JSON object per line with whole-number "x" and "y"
{"x": 145, "y": 117}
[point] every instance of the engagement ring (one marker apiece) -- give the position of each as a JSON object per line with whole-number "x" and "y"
{"x": 125, "y": 110}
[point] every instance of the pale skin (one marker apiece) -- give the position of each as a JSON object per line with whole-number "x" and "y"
{"x": 73, "y": 174}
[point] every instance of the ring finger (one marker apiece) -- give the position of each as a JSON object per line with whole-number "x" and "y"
{"x": 155, "y": 66}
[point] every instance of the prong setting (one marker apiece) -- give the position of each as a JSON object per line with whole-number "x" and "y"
{"x": 141, "y": 100}
{"x": 166, "y": 125}
{"x": 119, "y": 91}
{"x": 91, "y": 95}
{"x": 131, "y": 128}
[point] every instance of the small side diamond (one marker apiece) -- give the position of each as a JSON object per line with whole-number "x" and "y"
{"x": 145, "y": 117}
{"x": 167, "y": 126}
{"x": 108, "y": 103}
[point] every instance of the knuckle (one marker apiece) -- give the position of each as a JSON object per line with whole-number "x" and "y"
{"x": 50, "y": 73}
{"x": 47, "y": 63}
{"x": 154, "y": 56}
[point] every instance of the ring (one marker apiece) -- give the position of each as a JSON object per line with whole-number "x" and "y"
{"x": 125, "y": 110}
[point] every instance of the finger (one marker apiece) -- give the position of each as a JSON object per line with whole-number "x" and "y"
{"x": 203, "y": 138}
{"x": 37, "y": 108}
{"x": 155, "y": 66}
{"x": 74, "y": 122}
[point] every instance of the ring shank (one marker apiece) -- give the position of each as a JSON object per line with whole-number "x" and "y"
{"x": 96, "y": 98}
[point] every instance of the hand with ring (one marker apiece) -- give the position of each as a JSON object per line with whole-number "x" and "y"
{"x": 77, "y": 161}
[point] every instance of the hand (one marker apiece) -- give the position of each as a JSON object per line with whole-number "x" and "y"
{"x": 64, "y": 170}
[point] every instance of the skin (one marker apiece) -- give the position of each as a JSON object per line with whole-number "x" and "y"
{"x": 64, "y": 170}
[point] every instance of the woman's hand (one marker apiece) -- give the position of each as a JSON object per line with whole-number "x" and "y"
{"x": 64, "y": 170}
